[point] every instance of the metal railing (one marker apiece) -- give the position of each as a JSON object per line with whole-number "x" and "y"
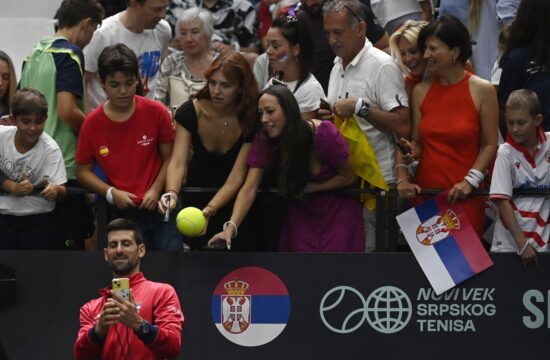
{"x": 387, "y": 204}
{"x": 389, "y": 207}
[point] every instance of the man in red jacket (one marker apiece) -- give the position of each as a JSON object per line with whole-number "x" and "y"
{"x": 148, "y": 326}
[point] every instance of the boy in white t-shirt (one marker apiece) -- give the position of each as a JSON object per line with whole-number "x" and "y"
{"x": 523, "y": 162}
{"x": 33, "y": 175}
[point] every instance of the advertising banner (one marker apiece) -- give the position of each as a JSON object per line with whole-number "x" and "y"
{"x": 294, "y": 306}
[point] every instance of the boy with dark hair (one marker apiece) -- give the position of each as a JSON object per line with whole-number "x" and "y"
{"x": 131, "y": 138}
{"x": 29, "y": 160}
{"x": 141, "y": 27}
{"x": 523, "y": 162}
{"x": 56, "y": 68}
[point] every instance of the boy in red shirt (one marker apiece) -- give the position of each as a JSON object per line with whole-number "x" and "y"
{"x": 131, "y": 139}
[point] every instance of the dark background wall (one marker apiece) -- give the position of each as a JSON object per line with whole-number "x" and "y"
{"x": 42, "y": 321}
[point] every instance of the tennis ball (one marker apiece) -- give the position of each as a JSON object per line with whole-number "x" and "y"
{"x": 190, "y": 221}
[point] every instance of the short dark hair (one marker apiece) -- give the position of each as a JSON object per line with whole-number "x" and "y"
{"x": 71, "y": 12}
{"x": 29, "y": 101}
{"x": 119, "y": 58}
{"x": 125, "y": 224}
{"x": 524, "y": 99}
{"x": 450, "y": 31}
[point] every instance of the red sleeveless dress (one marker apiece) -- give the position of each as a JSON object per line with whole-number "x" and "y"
{"x": 450, "y": 133}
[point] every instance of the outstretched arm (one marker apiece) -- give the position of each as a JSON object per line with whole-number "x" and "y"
{"x": 244, "y": 201}
{"x": 231, "y": 186}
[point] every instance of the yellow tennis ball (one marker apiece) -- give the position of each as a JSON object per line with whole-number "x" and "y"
{"x": 190, "y": 221}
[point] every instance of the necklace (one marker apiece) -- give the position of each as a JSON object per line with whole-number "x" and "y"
{"x": 225, "y": 123}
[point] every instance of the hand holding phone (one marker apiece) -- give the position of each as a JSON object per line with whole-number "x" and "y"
{"x": 323, "y": 104}
{"x": 402, "y": 144}
{"x": 217, "y": 244}
{"x": 324, "y": 112}
{"x": 168, "y": 208}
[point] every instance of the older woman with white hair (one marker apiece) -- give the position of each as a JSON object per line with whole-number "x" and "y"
{"x": 182, "y": 72}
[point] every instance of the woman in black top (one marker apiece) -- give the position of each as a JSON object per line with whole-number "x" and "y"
{"x": 213, "y": 134}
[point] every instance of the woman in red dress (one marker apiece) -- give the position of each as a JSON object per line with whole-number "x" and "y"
{"x": 455, "y": 119}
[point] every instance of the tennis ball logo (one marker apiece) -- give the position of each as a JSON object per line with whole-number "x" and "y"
{"x": 190, "y": 221}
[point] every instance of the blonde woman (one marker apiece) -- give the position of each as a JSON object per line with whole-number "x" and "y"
{"x": 405, "y": 51}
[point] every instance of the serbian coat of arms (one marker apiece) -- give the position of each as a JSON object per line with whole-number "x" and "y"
{"x": 437, "y": 228}
{"x": 236, "y": 307}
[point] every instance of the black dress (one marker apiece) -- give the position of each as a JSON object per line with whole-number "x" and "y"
{"x": 209, "y": 170}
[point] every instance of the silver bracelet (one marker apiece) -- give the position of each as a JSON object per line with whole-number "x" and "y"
{"x": 403, "y": 166}
{"x": 109, "y": 196}
{"x": 522, "y": 250}
{"x": 226, "y": 224}
{"x": 476, "y": 174}
{"x": 472, "y": 181}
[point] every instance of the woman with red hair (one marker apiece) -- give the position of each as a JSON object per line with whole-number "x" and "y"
{"x": 213, "y": 134}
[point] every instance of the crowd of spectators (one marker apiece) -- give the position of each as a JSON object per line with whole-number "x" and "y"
{"x": 148, "y": 97}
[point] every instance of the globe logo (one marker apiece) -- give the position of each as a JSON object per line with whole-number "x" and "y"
{"x": 388, "y": 309}
{"x": 343, "y": 309}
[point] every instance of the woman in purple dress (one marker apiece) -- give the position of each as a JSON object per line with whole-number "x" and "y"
{"x": 311, "y": 158}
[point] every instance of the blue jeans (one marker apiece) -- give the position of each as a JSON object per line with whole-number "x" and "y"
{"x": 157, "y": 234}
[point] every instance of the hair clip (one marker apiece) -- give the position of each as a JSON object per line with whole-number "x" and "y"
{"x": 291, "y": 18}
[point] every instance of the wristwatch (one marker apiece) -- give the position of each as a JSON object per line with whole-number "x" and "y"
{"x": 147, "y": 332}
{"x": 363, "y": 109}
{"x": 144, "y": 329}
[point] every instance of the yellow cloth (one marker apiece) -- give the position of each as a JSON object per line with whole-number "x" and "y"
{"x": 363, "y": 157}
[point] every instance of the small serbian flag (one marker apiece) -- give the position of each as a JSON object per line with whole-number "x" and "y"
{"x": 443, "y": 242}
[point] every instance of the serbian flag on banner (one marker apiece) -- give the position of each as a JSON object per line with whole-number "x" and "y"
{"x": 443, "y": 242}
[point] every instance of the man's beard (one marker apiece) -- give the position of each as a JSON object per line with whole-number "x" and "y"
{"x": 123, "y": 269}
